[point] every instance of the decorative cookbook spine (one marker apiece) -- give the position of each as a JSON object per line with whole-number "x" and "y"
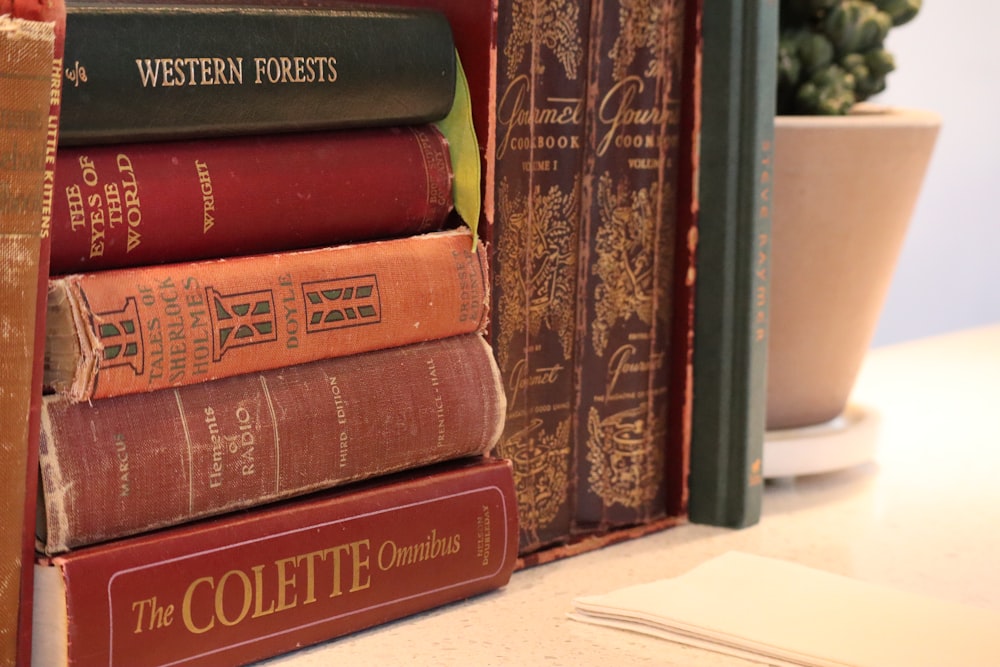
{"x": 540, "y": 111}
{"x": 146, "y": 72}
{"x": 253, "y": 585}
{"x": 131, "y": 330}
{"x": 126, "y": 465}
{"x": 627, "y": 245}
{"x": 158, "y": 202}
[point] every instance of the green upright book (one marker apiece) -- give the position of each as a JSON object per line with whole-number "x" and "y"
{"x": 731, "y": 298}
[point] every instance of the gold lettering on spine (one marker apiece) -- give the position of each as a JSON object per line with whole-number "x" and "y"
{"x": 207, "y": 195}
{"x": 51, "y": 141}
{"x": 616, "y": 113}
{"x": 515, "y": 112}
{"x": 283, "y": 584}
{"x": 762, "y": 269}
{"x": 295, "y": 69}
{"x": 133, "y": 210}
{"x": 201, "y": 71}
{"x": 233, "y": 596}
{"x": 188, "y": 603}
{"x": 392, "y": 555}
{"x": 343, "y": 439}
{"x": 158, "y": 617}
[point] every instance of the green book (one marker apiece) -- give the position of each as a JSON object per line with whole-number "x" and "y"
{"x": 731, "y": 297}
{"x": 138, "y": 72}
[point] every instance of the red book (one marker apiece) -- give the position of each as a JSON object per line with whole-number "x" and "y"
{"x": 253, "y": 585}
{"x": 149, "y": 203}
{"x": 125, "y": 465}
{"x": 144, "y": 328}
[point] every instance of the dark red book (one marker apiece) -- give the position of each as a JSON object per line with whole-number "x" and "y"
{"x": 634, "y": 212}
{"x": 125, "y": 465}
{"x": 156, "y": 202}
{"x": 249, "y": 586}
{"x": 541, "y": 99}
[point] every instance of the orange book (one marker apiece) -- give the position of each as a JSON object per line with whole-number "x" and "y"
{"x": 133, "y": 330}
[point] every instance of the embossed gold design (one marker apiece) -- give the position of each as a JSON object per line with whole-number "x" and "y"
{"x": 625, "y": 457}
{"x": 625, "y": 256}
{"x": 541, "y": 473}
{"x": 537, "y": 265}
{"x": 555, "y": 24}
{"x": 647, "y": 24}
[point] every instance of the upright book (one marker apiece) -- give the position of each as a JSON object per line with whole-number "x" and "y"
{"x": 31, "y": 41}
{"x": 145, "y": 328}
{"x": 632, "y": 216}
{"x": 731, "y": 323}
{"x": 126, "y": 465}
{"x": 132, "y": 204}
{"x": 541, "y": 96}
{"x": 252, "y": 585}
{"x": 145, "y": 72}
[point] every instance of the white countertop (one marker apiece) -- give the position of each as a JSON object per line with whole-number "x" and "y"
{"x": 924, "y": 516}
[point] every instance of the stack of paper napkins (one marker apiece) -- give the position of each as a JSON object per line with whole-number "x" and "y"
{"x": 783, "y": 613}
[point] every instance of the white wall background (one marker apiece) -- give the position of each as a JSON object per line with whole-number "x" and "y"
{"x": 948, "y": 276}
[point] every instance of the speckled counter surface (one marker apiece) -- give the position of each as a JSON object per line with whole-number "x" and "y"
{"x": 924, "y": 516}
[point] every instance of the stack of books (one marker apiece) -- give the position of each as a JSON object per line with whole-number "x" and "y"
{"x": 273, "y": 403}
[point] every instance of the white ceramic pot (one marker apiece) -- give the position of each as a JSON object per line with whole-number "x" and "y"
{"x": 844, "y": 192}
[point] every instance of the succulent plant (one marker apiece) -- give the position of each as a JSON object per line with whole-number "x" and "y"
{"x": 831, "y": 53}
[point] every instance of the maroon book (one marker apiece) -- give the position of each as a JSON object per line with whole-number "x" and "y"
{"x": 253, "y": 585}
{"x": 149, "y": 203}
{"x": 541, "y": 94}
{"x": 125, "y": 465}
{"x": 633, "y": 214}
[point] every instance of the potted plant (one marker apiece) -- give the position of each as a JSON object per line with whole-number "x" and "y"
{"x": 846, "y": 179}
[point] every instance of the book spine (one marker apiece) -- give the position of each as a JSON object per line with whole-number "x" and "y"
{"x": 157, "y": 202}
{"x": 145, "y": 328}
{"x": 626, "y": 261}
{"x": 28, "y": 46}
{"x": 138, "y": 73}
{"x": 251, "y": 586}
{"x": 680, "y": 397}
{"x": 130, "y": 464}
{"x": 740, "y": 49}
{"x": 540, "y": 110}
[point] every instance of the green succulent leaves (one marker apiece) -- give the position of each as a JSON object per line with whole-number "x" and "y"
{"x": 831, "y": 54}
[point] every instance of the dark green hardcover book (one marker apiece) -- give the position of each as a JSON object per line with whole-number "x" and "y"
{"x": 150, "y": 72}
{"x": 731, "y": 297}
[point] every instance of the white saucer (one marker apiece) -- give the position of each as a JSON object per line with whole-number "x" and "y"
{"x": 842, "y": 442}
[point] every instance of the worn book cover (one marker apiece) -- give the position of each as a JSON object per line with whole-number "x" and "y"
{"x": 633, "y": 213}
{"x": 145, "y": 328}
{"x": 31, "y": 43}
{"x": 120, "y": 205}
{"x": 540, "y": 149}
{"x": 125, "y": 465}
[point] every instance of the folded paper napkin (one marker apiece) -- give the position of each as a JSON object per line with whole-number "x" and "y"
{"x": 783, "y": 613}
